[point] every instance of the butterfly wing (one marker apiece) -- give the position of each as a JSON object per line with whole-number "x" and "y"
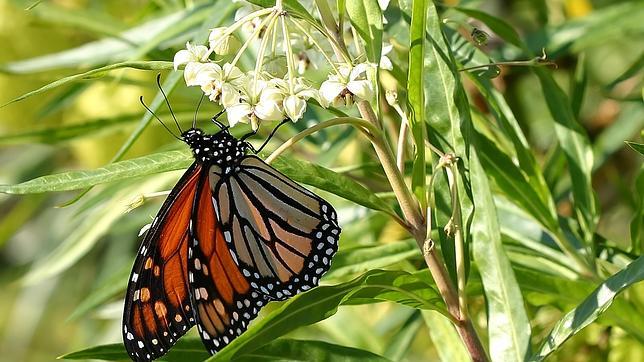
{"x": 281, "y": 235}
{"x": 223, "y": 300}
{"x": 157, "y": 305}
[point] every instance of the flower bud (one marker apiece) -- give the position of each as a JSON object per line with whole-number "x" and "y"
{"x": 392, "y": 97}
{"x": 222, "y": 43}
{"x": 294, "y": 107}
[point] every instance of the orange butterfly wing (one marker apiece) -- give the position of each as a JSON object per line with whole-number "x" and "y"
{"x": 157, "y": 305}
{"x": 223, "y": 299}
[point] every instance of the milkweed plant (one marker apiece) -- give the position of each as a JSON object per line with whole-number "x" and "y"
{"x": 483, "y": 243}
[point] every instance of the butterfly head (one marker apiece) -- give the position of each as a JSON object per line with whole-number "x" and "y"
{"x": 220, "y": 148}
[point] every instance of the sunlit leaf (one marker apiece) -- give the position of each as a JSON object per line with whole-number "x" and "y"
{"x": 366, "y": 17}
{"x": 590, "y": 309}
{"x": 322, "y": 302}
{"x": 508, "y": 324}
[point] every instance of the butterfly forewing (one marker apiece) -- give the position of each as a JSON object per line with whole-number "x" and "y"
{"x": 222, "y": 297}
{"x": 157, "y": 305}
{"x": 281, "y": 235}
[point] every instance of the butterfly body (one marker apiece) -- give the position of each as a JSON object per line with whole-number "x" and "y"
{"x": 233, "y": 235}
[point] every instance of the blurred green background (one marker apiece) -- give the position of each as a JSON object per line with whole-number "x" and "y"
{"x": 67, "y": 254}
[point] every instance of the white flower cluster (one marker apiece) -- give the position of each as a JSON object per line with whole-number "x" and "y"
{"x": 265, "y": 94}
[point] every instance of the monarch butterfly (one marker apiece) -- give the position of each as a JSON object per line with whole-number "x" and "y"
{"x": 233, "y": 234}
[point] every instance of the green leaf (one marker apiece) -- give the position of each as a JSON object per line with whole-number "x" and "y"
{"x": 639, "y": 147}
{"x": 364, "y": 258}
{"x": 447, "y": 113}
{"x": 84, "y": 237}
{"x": 565, "y": 293}
{"x": 191, "y": 349}
{"x": 109, "y": 50}
{"x": 619, "y": 22}
{"x": 298, "y": 170}
{"x": 74, "y": 180}
{"x": 95, "y": 73}
{"x": 576, "y": 146}
{"x": 416, "y": 97}
{"x": 508, "y": 324}
{"x": 498, "y": 26}
{"x": 322, "y": 302}
{"x": 512, "y": 182}
{"x": 285, "y": 349}
{"x": 400, "y": 344}
{"x": 447, "y": 342}
{"x": 111, "y": 287}
{"x": 330, "y": 181}
{"x": 366, "y": 18}
{"x": 186, "y": 349}
{"x": 591, "y": 308}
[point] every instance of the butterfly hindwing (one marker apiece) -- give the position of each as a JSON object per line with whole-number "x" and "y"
{"x": 281, "y": 235}
{"x": 157, "y": 305}
{"x": 223, "y": 300}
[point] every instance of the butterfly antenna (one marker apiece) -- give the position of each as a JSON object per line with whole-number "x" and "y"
{"x": 194, "y": 119}
{"x": 167, "y": 102}
{"x": 157, "y": 117}
{"x": 215, "y": 120}
{"x": 271, "y": 135}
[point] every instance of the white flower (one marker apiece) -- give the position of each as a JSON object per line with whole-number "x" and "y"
{"x": 385, "y": 62}
{"x": 295, "y": 102}
{"x": 220, "y": 85}
{"x": 221, "y": 43}
{"x": 192, "y": 53}
{"x": 340, "y": 89}
{"x": 294, "y": 107}
{"x": 260, "y": 100}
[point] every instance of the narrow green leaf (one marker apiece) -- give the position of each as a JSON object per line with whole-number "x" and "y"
{"x": 364, "y": 258}
{"x": 186, "y": 349}
{"x": 285, "y": 349}
{"x": 322, "y": 302}
{"x": 639, "y": 147}
{"x": 576, "y": 146}
{"x": 578, "y": 86}
{"x": 591, "y": 308}
{"x": 330, "y": 181}
{"x": 298, "y": 170}
{"x": 74, "y": 180}
{"x": 508, "y": 324}
{"x": 400, "y": 344}
{"x": 109, "y": 50}
{"x": 497, "y": 25}
{"x": 95, "y": 73}
{"x": 416, "y": 96}
{"x": 447, "y": 342}
{"x": 88, "y": 20}
{"x": 447, "y": 113}
{"x": 366, "y": 18}
{"x": 83, "y": 237}
{"x": 611, "y": 23}
{"x": 632, "y": 71}
{"x": 108, "y": 289}
{"x": 191, "y": 349}
{"x": 565, "y": 293}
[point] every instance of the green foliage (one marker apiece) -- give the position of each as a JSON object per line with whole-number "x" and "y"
{"x": 538, "y": 219}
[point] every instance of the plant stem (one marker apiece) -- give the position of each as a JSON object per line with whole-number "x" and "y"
{"x": 361, "y": 124}
{"x": 457, "y": 230}
{"x": 418, "y": 228}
